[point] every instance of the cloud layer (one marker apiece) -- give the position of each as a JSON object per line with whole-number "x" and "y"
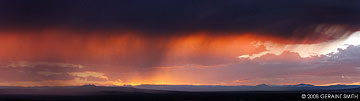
{"x": 287, "y": 19}
{"x": 177, "y": 41}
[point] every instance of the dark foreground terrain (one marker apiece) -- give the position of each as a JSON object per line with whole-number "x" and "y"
{"x": 179, "y": 96}
{"x": 135, "y": 94}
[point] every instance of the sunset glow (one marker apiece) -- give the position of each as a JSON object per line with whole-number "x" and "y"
{"x": 129, "y": 58}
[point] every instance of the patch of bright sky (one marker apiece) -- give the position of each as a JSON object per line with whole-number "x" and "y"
{"x": 307, "y": 50}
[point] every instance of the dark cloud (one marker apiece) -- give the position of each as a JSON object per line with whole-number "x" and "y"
{"x": 37, "y": 71}
{"x": 350, "y": 55}
{"x": 282, "y": 18}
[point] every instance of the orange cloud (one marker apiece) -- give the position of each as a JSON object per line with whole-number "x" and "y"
{"x": 134, "y": 58}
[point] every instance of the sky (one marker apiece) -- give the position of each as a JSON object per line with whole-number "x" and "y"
{"x": 179, "y": 42}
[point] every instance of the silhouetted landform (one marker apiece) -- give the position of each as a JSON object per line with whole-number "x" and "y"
{"x": 261, "y": 92}
{"x": 72, "y": 90}
{"x": 261, "y": 87}
{"x": 351, "y": 90}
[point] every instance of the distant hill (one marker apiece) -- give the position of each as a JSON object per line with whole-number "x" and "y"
{"x": 72, "y": 90}
{"x": 262, "y": 92}
{"x": 92, "y": 89}
{"x": 301, "y": 85}
{"x": 261, "y": 87}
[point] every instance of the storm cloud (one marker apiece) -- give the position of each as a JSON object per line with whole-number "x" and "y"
{"x": 282, "y": 18}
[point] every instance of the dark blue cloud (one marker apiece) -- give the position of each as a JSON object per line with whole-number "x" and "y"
{"x": 281, "y": 18}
